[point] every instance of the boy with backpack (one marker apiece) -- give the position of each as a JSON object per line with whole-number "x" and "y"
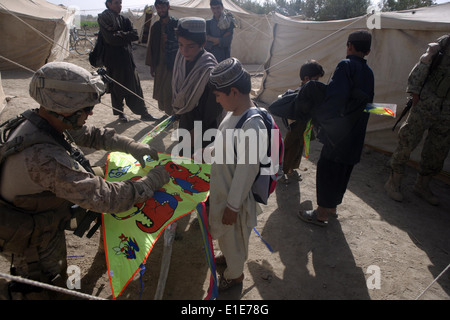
{"x": 233, "y": 208}
{"x": 343, "y": 124}
{"x": 293, "y": 142}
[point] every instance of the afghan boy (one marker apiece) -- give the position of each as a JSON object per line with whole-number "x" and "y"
{"x": 343, "y": 124}
{"x": 192, "y": 99}
{"x": 293, "y": 142}
{"x": 233, "y": 209}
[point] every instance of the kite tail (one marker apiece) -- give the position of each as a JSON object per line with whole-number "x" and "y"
{"x": 202, "y": 216}
{"x": 307, "y": 138}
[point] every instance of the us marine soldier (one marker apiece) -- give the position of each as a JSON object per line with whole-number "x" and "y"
{"x": 43, "y": 175}
{"x": 429, "y": 86}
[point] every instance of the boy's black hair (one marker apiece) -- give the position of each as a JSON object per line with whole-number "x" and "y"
{"x": 361, "y": 41}
{"x": 311, "y": 69}
{"x": 361, "y": 46}
{"x": 216, "y": 2}
{"x": 243, "y": 85}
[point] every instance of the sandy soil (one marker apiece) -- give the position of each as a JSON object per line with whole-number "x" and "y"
{"x": 407, "y": 243}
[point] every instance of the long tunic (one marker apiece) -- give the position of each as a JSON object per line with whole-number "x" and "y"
{"x": 118, "y": 33}
{"x": 160, "y": 57}
{"x": 230, "y": 182}
{"x": 222, "y": 50}
{"x": 342, "y": 130}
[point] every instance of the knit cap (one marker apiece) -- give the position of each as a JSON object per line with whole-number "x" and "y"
{"x": 226, "y": 73}
{"x": 192, "y": 25}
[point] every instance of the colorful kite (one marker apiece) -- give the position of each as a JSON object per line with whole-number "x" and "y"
{"x": 307, "y": 138}
{"x": 130, "y": 236}
{"x": 384, "y": 109}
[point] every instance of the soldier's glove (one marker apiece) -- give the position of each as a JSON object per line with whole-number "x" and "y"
{"x": 140, "y": 150}
{"x": 137, "y": 150}
{"x": 432, "y": 49}
{"x": 156, "y": 178}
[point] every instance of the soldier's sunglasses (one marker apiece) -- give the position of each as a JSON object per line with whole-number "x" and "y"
{"x": 88, "y": 109}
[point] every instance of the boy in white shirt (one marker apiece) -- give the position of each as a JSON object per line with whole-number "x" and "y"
{"x": 233, "y": 208}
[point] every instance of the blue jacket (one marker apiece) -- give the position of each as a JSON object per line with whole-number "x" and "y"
{"x": 341, "y": 116}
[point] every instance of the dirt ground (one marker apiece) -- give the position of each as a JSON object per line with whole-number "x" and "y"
{"x": 403, "y": 245}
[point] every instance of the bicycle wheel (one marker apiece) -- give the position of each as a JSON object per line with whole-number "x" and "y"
{"x": 84, "y": 46}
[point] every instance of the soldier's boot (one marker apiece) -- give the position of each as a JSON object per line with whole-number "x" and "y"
{"x": 422, "y": 189}
{"x": 392, "y": 186}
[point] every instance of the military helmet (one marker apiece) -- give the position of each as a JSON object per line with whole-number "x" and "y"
{"x": 63, "y": 87}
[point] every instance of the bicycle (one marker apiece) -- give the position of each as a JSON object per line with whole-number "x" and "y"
{"x": 82, "y": 45}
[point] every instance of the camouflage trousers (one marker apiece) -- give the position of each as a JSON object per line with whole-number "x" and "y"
{"x": 44, "y": 264}
{"x": 50, "y": 260}
{"x": 428, "y": 114}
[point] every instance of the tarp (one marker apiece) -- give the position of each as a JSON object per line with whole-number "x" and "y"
{"x": 396, "y": 47}
{"x": 23, "y": 45}
{"x": 252, "y": 37}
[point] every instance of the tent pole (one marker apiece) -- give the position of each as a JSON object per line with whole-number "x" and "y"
{"x": 169, "y": 236}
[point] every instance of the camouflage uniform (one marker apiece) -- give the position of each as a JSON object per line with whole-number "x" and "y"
{"x": 45, "y": 180}
{"x": 40, "y": 181}
{"x": 432, "y": 113}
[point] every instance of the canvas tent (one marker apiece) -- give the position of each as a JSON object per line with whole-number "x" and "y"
{"x": 2, "y": 96}
{"x": 396, "y": 48}
{"x": 24, "y": 45}
{"x": 251, "y": 39}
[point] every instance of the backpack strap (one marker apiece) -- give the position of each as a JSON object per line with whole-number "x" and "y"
{"x": 257, "y": 112}
{"x": 250, "y": 113}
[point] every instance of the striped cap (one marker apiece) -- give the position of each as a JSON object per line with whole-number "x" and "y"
{"x": 226, "y": 73}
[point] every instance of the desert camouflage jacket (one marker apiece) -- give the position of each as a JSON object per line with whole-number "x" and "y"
{"x": 433, "y": 80}
{"x": 45, "y": 168}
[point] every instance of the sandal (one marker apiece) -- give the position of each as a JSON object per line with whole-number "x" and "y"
{"x": 294, "y": 175}
{"x": 310, "y": 216}
{"x": 225, "y": 284}
{"x": 220, "y": 260}
{"x": 284, "y": 179}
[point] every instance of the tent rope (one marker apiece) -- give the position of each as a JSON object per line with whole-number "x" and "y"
{"x": 47, "y": 38}
{"x": 318, "y": 41}
{"x": 51, "y": 41}
{"x": 17, "y": 64}
{"x": 111, "y": 107}
{"x": 49, "y": 287}
{"x": 252, "y": 26}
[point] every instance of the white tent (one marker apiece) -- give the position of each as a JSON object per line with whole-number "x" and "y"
{"x": 396, "y": 48}
{"x": 2, "y": 96}
{"x": 22, "y": 22}
{"x": 251, "y": 40}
